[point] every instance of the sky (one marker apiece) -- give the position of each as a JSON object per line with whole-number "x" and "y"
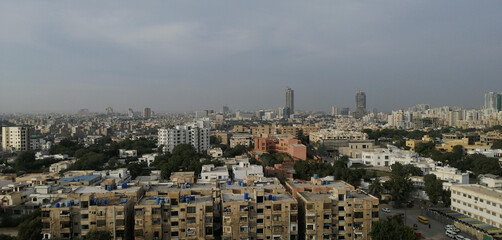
{"x": 175, "y": 56}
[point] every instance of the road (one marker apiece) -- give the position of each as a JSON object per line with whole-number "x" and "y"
{"x": 436, "y": 230}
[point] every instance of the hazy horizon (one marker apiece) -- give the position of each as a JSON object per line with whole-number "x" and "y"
{"x": 176, "y": 56}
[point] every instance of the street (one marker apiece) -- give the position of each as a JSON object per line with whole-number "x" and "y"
{"x": 436, "y": 231}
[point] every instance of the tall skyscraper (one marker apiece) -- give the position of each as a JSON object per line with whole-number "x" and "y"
{"x": 493, "y": 101}
{"x": 334, "y": 111}
{"x": 225, "y": 110}
{"x": 147, "y": 113}
{"x": 290, "y": 101}
{"x": 360, "y": 104}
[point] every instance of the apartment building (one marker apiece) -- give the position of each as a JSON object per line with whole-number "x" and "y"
{"x": 15, "y": 139}
{"x": 332, "y": 134}
{"x": 258, "y": 208}
{"x": 262, "y": 131}
{"x": 195, "y": 134}
{"x": 333, "y": 209}
{"x": 89, "y": 208}
{"x": 167, "y": 212}
{"x": 281, "y": 144}
{"x": 479, "y": 202}
{"x": 241, "y": 139}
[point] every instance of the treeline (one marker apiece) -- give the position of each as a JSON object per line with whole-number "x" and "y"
{"x": 397, "y": 134}
{"x": 306, "y": 169}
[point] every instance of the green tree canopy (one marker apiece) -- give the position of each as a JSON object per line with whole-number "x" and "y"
{"x": 392, "y": 228}
{"x": 399, "y": 185}
{"x": 433, "y": 188}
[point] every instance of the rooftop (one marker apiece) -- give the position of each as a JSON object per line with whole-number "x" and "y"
{"x": 80, "y": 178}
{"x": 478, "y": 189}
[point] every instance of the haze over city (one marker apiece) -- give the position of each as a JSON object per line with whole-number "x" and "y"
{"x": 185, "y": 56}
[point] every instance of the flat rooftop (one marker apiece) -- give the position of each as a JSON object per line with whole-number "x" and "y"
{"x": 331, "y": 184}
{"x": 91, "y": 189}
{"x": 497, "y": 194}
{"x": 153, "y": 200}
{"x": 80, "y": 178}
{"x": 232, "y": 197}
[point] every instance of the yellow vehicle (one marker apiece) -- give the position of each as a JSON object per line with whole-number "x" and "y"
{"x": 423, "y": 220}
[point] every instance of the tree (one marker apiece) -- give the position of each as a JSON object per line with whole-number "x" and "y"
{"x": 376, "y": 187}
{"x": 433, "y": 188}
{"x": 24, "y": 160}
{"x": 31, "y": 227}
{"x": 98, "y": 235}
{"x": 392, "y": 228}
{"x": 399, "y": 185}
{"x": 214, "y": 140}
{"x": 497, "y": 145}
{"x": 6, "y": 237}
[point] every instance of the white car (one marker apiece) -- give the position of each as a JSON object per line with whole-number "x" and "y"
{"x": 452, "y": 228}
{"x": 450, "y": 233}
{"x": 387, "y": 210}
{"x": 459, "y": 237}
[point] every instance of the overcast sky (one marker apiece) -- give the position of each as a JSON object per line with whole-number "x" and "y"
{"x": 61, "y": 56}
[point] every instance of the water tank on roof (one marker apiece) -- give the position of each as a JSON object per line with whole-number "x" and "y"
{"x": 124, "y": 185}
{"x": 246, "y": 196}
{"x": 241, "y": 184}
{"x": 109, "y": 188}
{"x": 269, "y": 197}
{"x": 157, "y": 200}
{"x": 315, "y": 176}
{"x": 57, "y": 205}
{"x": 274, "y": 198}
{"x": 123, "y": 201}
{"x": 229, "y": 182}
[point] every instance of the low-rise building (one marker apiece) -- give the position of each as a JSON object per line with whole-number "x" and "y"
{"x": 212, "y": 174}
{"x": 123, "y": 153}
{"x": 451, "y": 174}
{"x": 479, "y": 202}
{"x": 241, "y": 139}
{"x": 245, "y": 169}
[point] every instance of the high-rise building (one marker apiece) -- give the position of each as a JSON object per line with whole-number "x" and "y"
{"x": 360, "y": 104}
{"x": 196, "y": 134}
{"x": 16, "y": 138}
{"x": 225, "y": 109}
{"x": 109, "y": 111}
{"x": 130, "y": 113}
{"x": 290, "y": 101}
{"x": 334, "y": 111}
{"x": 493, "y": 101}
{"x": 147, "y": 113}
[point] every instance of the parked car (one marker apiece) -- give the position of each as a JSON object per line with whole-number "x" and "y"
{"x": 452, "y": 228}
{"x": 415, "y": 227}
{"x": 450, "y": 233}
{"x": 459, "y": 237}
{"x": 387, "y": 210}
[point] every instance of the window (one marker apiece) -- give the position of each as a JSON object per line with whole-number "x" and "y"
{"x": 310, "y": 227}
{"x": 191, "y": 209}
{"x": 101, "y": 223}
{"x": 174, "y": 213}
{"x": 358, "y": 214}
{"x": 341, "y": 197}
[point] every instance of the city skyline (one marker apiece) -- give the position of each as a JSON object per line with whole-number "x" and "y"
{"x": 174, "y": 57}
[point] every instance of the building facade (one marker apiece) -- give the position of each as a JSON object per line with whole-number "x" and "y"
{"x": 195, "y": 134}
{"x": 15, "y": 139}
